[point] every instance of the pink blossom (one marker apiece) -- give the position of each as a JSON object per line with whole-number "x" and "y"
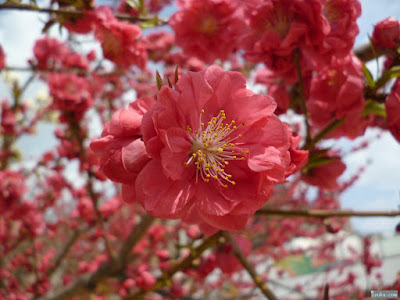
{"x": 325, "y": 176}
{"x": 12, "y": 187}
{"x": 275, "y": 88}
{"x": 119, "y": 40}
{"x": 2, "y": 58}
{"x": 277, "y": 27}
{"x": 145, "y": 280}
{"x": 341, "y": 16}
{"x": 127, "y": 8}
{"x": 74, "y": 60}
{"x": 157, "y": 5}
{"x": 158, "y": 44}
{"x": 225, "y": 257}
{"x": 49, "y": 53}
{"x": 337, "y": 91}
{"x": 207, "y": 29}
{"x": 393, "y": 111}
{"x": 8, "y": 122}
{"x": 216, "y": 149}
{"x": 298, "y": 158}
{"x": 82, "y": 25}
{"x": 70, "y": 93}
{"x": 122, "y": 153}
{"x": 386, "y": 34}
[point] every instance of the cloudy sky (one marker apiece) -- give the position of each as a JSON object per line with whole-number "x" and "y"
{"x": 379, "y": 186}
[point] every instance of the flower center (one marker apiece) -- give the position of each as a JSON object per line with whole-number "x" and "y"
{"x": 213, "y": 148}
{"x": 333, "y": 14}
{"x": 208, "y": 25}
{"x": 279, "y": 20}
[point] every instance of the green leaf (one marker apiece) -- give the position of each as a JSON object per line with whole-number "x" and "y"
{"x": 159, "y": 81}
{"x": 169, "y": 83}
{"x": 393, "y": 72}
{"x": 150, "y": 22}
{"x": 317, "y": 162}
{"x": 375, "y": 108}
{"x": 176, "y": 74}
{"x": 368, "y": 76}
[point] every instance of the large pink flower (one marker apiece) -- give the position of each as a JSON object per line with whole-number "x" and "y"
{"x": 207, "y": 29}
{"x": 216, "y": 149}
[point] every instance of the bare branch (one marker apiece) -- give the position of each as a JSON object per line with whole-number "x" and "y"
{"x": 79, "y": 13}
{"x": 249, "y": 268}
{"x": 179, "y": 266}
{"x": 325, "y": 213}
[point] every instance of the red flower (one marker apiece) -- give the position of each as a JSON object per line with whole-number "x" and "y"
{"x": 337, "y": 91}
{"x": 12, "y": 187}
{"x": 82, "y": 24}
{"x": 207, "y": 29}
{"x": 216, "y": 149}
{"x": 341, "y": 16}
{"x": 158, "y": 44}
{"x": 386, "y": 34}
{"x": 393, "y": 111}
{"x": 122, "y": 153}
{"x": 275, "y": 88}
{"x": 119, "y": 40}
{"x": 225, "y": 257}
{"x": 49, "y": 53}
{"x": 277, "y": 27}
{"x": 70, "y": 93}
{"x": 8, "y": 122}
{"x": 2, "y": 58}
{"x": 326, "y": 175}
{"x": 298, "y": 158}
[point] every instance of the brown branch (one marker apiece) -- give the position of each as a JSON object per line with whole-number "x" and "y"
{"x": 249, "y": 268}
{"x": 64, "y": 251}
{"x": 78, "y": 13}
{"x": 323, "y": 133}
{"x": 183, "y": 264}
{"x": 302, "y": 95}
{"x": 325, "y": 213}
{"x": 106, "y": 270}
{"x": 366, "y": 53}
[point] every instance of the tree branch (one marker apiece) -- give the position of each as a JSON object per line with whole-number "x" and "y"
{"x": 180, "y": 266}
{"x": 366, "y": 53}
{"x": 325, "y": 213}
{"x": 78, "y": 13}
{"x": 108, "y": 269}
{"x": 249, "y": 268}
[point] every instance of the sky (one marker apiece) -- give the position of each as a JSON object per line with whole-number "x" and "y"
{"x": 378, "y": 187}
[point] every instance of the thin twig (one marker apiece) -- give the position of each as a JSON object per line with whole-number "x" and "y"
{"x": 325, "y": 213}
{"x": 64, "y": 251}
{"x": 323, "y": 133}
{"x": 179, "y": 266}
{"x": 249, "y": 268}
{"x": 366, "y": 53}
{"x": 79, "y": 13}
{"x": 302, "y": 95}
